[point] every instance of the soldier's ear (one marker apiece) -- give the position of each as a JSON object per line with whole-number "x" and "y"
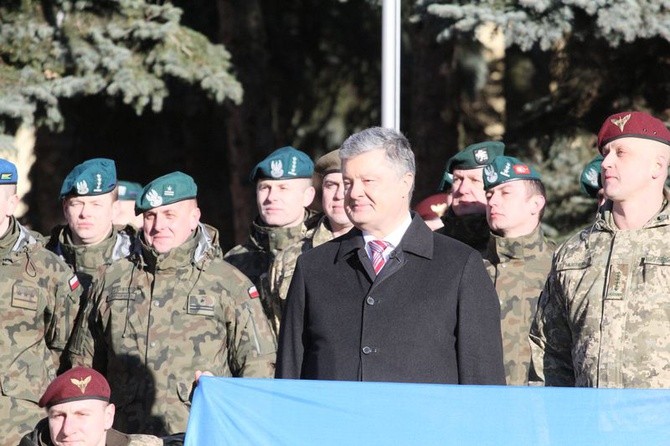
{"x": 538, "y": 202}
{"x": 308, "y": 196}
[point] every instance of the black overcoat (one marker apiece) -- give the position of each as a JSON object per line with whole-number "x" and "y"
{"x": 432, "y": 315}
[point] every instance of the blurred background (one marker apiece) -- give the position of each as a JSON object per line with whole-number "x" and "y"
{"x": 210, "y": 87}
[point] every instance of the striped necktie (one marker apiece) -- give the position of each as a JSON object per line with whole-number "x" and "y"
{"x": 377, "y": 247}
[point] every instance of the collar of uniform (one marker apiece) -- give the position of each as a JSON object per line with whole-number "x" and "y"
{"x": 605, "y": 217}
{"x": 9, "y": 239}
{"x": 271, "y": 238}
{"x": 524, "y": 247}
{"x": 86, "y": 257}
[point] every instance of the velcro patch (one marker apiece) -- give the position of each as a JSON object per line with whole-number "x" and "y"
{"x": 24, "y": 296}
{"x": 253, "y": 292}
{"x": 617, "y": 281}
{"x": 73, "y": 282}
{"x": 201, "y": 305}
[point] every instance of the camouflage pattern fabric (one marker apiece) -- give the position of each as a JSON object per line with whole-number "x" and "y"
{"x": 473, "y": 229}
{"x": 39, "y": 298}
{"x": 602, "y": 318}
{"x": 261, "y": 260}
{"x": 518, "y": 268}
{"x": 157, "y": 318}
{"x": 89, "y": 261}
{"x": 284, "y": 264}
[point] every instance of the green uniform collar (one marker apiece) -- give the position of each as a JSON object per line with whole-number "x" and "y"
{"x": 525, "y": 247}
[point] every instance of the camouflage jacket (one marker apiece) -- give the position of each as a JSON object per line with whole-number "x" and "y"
{"x": 39, "y": 298}
{"x": 157, "y": 318}
{"x": 40, "y": 436}
{"x": 602, "y": 318}
{"x": 473, "y": 229}
{"x": 518, "y": 268}
{"x": 88, "y": 261}
{"x": 261, "y": 259}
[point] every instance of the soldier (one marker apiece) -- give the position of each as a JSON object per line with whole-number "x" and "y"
{"x": 465, "y": 219}
{"x": 125, "y": 208}
{"x": 283, "y": 191}
{"x": 39, "y": 298}
{"x": 602, "y": 318}
{"x": 79, "y": 412}
{"x": 174, "y": 308}
{"x": 333, "y": 221}
{"x": 89, "y": 242}
{"x": 518, "y": 257}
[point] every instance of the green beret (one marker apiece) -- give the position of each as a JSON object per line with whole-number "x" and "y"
{"x": 168, "y": 189}
{"x": 128, "y": 191}
{"x": 286, "y": 163}
{"x": 447, "y": 182}
{"x": 328, "y": 163}
{"x": 504, "y": 169}
{"x": 8, "y": 173}
{"x": 475, "y": 156}
{"x": 589, "y": 180}
{"x": 96, "y": 176}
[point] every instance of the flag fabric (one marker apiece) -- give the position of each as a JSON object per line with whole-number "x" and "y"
{"x": 245, "y": 411}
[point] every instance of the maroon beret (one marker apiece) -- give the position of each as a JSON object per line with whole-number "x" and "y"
{"x": 432, "y": 207}
{"x": 79, "y": 383}
{"x": 632, "y": 124}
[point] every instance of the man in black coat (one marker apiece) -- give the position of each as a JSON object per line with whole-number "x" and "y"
{"x": 390, "y": 300}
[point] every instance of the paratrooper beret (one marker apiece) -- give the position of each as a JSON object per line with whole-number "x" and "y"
{"x": 168, "y": 189}
{"x": 632, "y": 124}
{"x": 286, "y": 163}
{"x": 433, "y": 206}
{"x": 504, "y": 169}
{"x": 96, "y": 176}
{"x": 128, "y": 190}
{"x": 8, "y": 174}
{"x": 475, "y": 156}
{"x": 79, "y": 383}
{"x": 589, "y": 180}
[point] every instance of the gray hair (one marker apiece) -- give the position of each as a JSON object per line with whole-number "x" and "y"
{"x": 394, "y": 143}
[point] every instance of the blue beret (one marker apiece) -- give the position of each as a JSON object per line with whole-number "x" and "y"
{"x": 96, "y": 176}
{"x": 589, "y": 180}
{"x": 475, "y": 155}
{"x": 447, "y": 182}
{"x": 128, "y": 191}
{"x": 286, "y": 163}
{"x": 506, "y": 168}
{"x": 8, "y": 174}
{"x": 168, "y": 189}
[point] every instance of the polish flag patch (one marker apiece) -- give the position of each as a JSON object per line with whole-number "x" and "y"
{"x": 521, "y": 169}
{"x": 253, "y": 292}
{"x": 74, "y": 283}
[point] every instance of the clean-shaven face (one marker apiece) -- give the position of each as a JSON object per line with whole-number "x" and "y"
{"x": 332, "y": 200}
{"x": 81, "y": 423}
{"x": 282, "y": 203}
{"x": 89, "y": 217}
{"x": 167, "y": 227}
{"x": 468, "y": 196}
{"x": 511, "y": 210}
{"x": 376, "y": 194}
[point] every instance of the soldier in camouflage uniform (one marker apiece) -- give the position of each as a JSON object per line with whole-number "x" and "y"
{"x": 283, "y": 192}
{"x": 332, "y": 222}
{"x": 465, "y": 219}
{"x": 174, "y": 309}
{"x": 39, "y": 298}
{"x": 89, "y": 242}
{"x": 602, "y": 318}
{"x": 518, "y": 257}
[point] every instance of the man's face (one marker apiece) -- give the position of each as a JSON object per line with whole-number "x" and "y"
{"x": 8, "y": 202}
{"x": 629, "y": 167}
{"x": 89, "y": 217}
{"x": 512, "y": 211}
{"x": 167, "y": 227}
{"x": 125, "y": 214}
{"x": 468, "y": 192}
{"x": 376, "y": 194}
{"x": 332, "y": 199}
{"x": 282, "y": 203}
{"x": 83, "y": 422}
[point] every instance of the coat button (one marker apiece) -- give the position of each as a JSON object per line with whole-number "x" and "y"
{"x": 370, "y": 300}
{"x": 367, "y": 350}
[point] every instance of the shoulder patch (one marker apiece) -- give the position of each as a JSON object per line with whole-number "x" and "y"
{"x": 73, "y": 282}
{"x": 253, "y": 292}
